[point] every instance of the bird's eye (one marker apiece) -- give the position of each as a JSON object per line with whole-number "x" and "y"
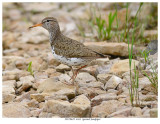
{"x": 47, "y": 20}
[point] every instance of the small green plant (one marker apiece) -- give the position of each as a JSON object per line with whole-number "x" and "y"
{"x": 153, "y": 78}
{"x": 136, "y": 85}
{"x": 110, "y": 22}
{"x": 130, "y": 53}
{"x": 104, "y": 30}
{"x": 101, "y": 30}
{"x": 30, "y": 68}
{"x": 133, "y": 83}
{"x": 145, "y": 54}
{"x": 118, "y": 36}
{"x": 126, "y": 24}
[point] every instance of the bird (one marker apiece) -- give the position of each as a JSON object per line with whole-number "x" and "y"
{"x": 67, "y": 50}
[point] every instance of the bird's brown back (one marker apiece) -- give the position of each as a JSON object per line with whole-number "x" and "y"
{"x": 70, "y": 48}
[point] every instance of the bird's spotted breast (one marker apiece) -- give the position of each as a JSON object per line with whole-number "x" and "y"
{"x": 70, "y": 61}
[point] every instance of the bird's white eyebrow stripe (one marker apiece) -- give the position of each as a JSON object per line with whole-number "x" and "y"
{"x": 48, "y": 19}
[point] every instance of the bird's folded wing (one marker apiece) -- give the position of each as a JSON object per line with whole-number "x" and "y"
{"x": 72, "y": 48}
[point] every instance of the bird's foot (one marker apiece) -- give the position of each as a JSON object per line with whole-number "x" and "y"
{"x": 75, "y": 73}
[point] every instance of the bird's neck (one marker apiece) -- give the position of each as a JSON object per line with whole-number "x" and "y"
{"x": 53, "y": 35}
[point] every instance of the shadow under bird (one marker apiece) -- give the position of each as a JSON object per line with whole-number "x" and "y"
{"x": 66, "y": 50}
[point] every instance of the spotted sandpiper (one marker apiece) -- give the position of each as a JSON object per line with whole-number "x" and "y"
{"x": 66, "y": 50}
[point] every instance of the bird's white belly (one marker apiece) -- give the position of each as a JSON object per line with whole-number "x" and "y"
{"x": 70, "y": 61}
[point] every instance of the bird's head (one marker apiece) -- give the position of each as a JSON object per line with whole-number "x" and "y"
{"x": 49, "y": 23}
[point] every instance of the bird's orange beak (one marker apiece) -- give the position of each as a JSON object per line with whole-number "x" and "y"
{"x": 40, "y": 24}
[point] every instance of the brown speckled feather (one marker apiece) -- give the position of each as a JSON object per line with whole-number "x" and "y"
{"x": 70, "y": 48}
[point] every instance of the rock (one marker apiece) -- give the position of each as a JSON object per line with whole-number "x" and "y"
{"x": 62, "y": 68}
{"x": 8, "y": 97}
{"x": 146, "y": 9}
{"x": 25, "y": 95}
{"x": 66, "y": 92}
{"x": 37, "y": 97}
{"x": 39, "y": 78}
{"x": 136, "y": 111}
{"x": 122, "y": 66}
{"x": 20, "y": 64}
{"x": 123, "y": 100}
{"x": 126, "y": 76}
{"x": 152, "y": 47}
{"x": 8, "y": 91}
{"x": 148, "y": 97}
{"x": 113, "y": 91}
{"x": 64, "y": 78}
{"x": 103, "y": 69}
{"x": 91, "y": 70}
{"x": 52, "y": 71}
{"x": 14, "y": 14}
{"x": 80, "y": 107}
{"x": 105, "y": 108}
{"x": 51, "y": 60}
{"x": 8, "y": 38}
{"x": 14, "y": 74}
{"x": 149, "y": 103}
{"x": 15, "y": 110}
{"x": 103, "y": 77}
{"x": 95, "y": 84}
{"x": 33, "y": 104}
{"x": 40, "y": 75}
{"x": 82, "y": 100}
{"x": 113, "y": 82}
{"x": 9, "y": 77}
{"x": 134, "y": 8}
{"x": 124, "y": 111}
{"x": 56, "y": 97}
{"x": 116, "y": 49}
{"x": 103, "y": 97}
{"x": 45, "y": 115}
{"x": 39, "y": 7}
{"x": 146, "y": 112}
{"x": 8, "y": 87}
{"x": 144, "y": 82}
{"x": 152, "y": 64}
{"x": 100, "y": 62}
{"x": 10, "y": 62}
{"x": 70, "y": 27}
{"x": 153, "y": 113}
{"x": 35, "y": 36}
{"x": 36, "y": 112}
{"x": 41, "y": 105}
{"x": 85, "y": 77}
{"x": 38, "y": 63}
{"x": 25, "y": 83}
{"x": 90, "y": 92}
{"x": 51, "y": 86}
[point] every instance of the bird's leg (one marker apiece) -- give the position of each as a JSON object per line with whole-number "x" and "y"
{"x": 72, "y": 72}
{"x": 75, "y": 73}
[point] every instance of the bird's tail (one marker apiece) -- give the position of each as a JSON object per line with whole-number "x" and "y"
{"x": 102, "y": 55}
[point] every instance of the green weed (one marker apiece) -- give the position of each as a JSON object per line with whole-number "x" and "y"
{"x": 103, "y": 29}
{"x": 133, "y": 89}
{"x": 110, "y": 22}
{"x": 30, "y": 68}
{"x": 153, "y": 77}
